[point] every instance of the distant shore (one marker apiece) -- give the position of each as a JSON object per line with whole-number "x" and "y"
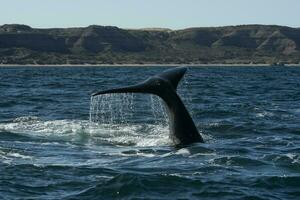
{"x": 112, "y": 46}
{"x": 145, "y": 65}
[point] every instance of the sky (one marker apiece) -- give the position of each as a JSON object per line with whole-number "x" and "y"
{"x": 174, "y": 14}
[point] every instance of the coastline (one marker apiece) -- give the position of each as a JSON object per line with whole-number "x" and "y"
{"x": 147, "y": 65}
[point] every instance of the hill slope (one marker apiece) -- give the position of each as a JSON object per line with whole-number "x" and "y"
{"x": 21, "y": 44}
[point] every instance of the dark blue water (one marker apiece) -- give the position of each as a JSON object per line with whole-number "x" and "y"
{"x": 249, "y": 117}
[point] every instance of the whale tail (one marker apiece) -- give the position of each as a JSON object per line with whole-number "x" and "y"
{"x": 151, "y": 85}
{"x": 164, "y": 85}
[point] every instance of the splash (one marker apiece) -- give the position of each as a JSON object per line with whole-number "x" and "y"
{"x": 129, "y": 119}
{"x": 88, "y": 133}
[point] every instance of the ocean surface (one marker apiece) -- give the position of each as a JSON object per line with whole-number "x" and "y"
{"x": 58, "y": 143}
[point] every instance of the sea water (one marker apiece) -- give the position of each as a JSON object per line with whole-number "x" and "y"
{"x": 56, "y": 142}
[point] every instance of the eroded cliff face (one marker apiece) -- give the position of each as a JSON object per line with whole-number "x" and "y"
{"x": 107, "y": 44}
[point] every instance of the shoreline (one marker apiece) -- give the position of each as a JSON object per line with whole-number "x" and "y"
{"x": 148, "y": 65}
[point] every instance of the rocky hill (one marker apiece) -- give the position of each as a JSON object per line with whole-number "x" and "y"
{"x": 21, "y": 44}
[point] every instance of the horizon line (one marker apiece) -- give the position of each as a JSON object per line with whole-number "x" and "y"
{"x": 145, "y": 28}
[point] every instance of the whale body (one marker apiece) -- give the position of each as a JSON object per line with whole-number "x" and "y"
{"x": 182, "y": 128}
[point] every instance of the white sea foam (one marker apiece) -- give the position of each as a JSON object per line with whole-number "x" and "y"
{"x": 183, "y": 152}
{"x": 3, "y": 155}
{"x": 265, "y": 114}
{"x": 8, "y": 157}
{"x": 293, "y": 157}
{"x": 18, "y": 155}
{"x": 89, "y": 132}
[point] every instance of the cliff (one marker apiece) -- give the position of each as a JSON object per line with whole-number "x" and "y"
{"x": 21, "y": 44}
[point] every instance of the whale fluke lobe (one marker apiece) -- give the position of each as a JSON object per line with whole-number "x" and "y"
{"x": 173, "y": 75}
{"x": 182, "y": 128}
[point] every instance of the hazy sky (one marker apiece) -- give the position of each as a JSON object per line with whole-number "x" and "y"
{"x": 175, "y": 14}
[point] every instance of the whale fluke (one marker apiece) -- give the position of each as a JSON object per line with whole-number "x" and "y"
{"x": 182, "y": 128}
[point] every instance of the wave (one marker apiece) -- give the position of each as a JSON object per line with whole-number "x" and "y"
{"x": 84, "y": 131}
{"x": 164, "y": 186}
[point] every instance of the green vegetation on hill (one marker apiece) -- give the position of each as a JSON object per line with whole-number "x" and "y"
{"x": 21, "y": 44}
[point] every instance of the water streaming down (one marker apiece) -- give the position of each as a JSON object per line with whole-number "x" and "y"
{"x": 125, "y": 108}
{"x": 130, "y": 119}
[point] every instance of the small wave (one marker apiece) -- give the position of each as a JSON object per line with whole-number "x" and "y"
{"x": 237, "y": 161}
{"x": 276, "y": 181}
{"x": 131, "y": 186}
{"x": 8, "y": 156}
{"x": 18, "y": 155}
{"x": 137, "y": 153}
{"x": 264, "y": 114}
{"x": 289, "y": 160}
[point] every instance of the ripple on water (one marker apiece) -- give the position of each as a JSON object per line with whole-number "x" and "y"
{"x": 249, "y": 118}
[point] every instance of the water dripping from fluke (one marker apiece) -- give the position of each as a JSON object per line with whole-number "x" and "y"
{"x": 126, "y": 108}
{"x": 116, "y": 118}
